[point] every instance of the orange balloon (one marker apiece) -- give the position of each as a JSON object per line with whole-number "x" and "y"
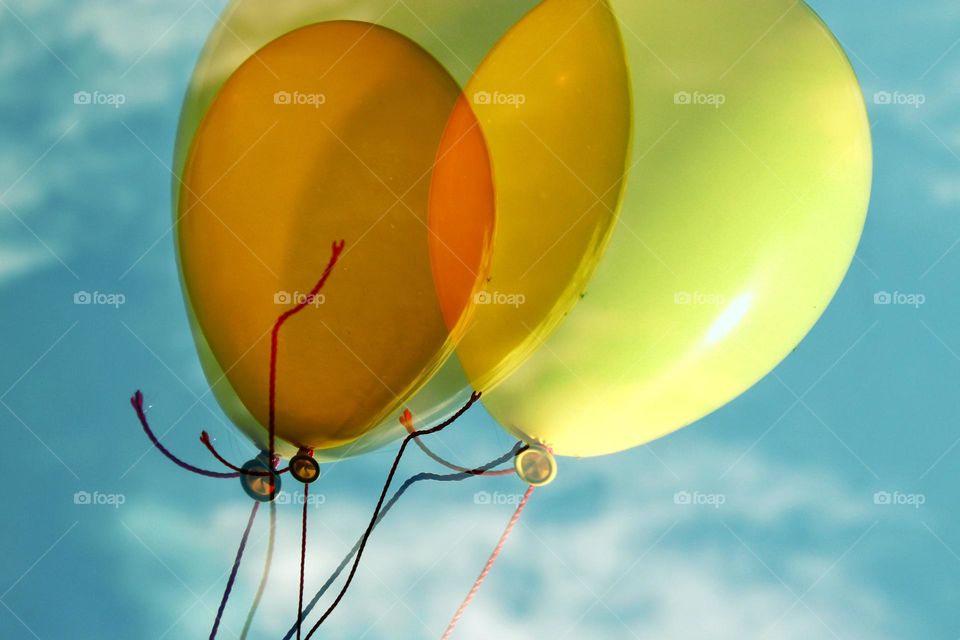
{"x": 338, "y": 130}
{"x": 460, "y": 245}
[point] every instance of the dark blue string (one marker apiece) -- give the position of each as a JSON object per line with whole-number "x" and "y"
{"x": 450, "y": 477}
{"x": 233, "y": 572}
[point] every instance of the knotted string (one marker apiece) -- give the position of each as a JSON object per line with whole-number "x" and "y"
{"x": 409, "y": 482}
{"x": 137, "y": 402}
{"x": 383, "y": 494}
{"x": 407, "y": 421}
{"x": 336, "y": 250}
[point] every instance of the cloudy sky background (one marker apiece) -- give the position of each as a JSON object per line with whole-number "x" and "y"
{"x": 798, "y": 549}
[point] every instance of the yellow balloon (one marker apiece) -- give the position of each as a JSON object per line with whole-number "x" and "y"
{"x": 553, "y": 100}
{"x": 743, "y": 207}
{"x": 329, "y": 132}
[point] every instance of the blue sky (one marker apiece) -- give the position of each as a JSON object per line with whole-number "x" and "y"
{"x": 799, "y": 547}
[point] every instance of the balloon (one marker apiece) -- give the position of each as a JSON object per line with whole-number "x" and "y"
{"x": 458, "y": 35}
{"x": 330, "y": 131}
{"x": 553, "y": 100}
{"x": 555, "y": 105}
{"x": 742, "y": 210}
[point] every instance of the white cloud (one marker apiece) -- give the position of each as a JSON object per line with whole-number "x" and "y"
{"x": 16, "y": 262}
{"x": 945, "y": 188}
{"x": 727, "y": 572}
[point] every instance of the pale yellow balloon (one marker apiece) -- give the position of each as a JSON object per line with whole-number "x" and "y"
{"x": 743, "y": 207}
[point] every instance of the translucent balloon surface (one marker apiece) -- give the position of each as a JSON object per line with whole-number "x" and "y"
{"x": 553, "y": 99}
{"x": 743, "y": 207}
{"x": 555, "y": 103}
{"x": 330, "y": 131}
{"x": 457, "y": 34}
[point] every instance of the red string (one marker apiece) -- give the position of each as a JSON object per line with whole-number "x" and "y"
{"x": 336, "y": 250}
{"x": 407, "y": 421}
{"x": 205, "y": 439}
{"x": 486, "y": 568}
{"x": 137, "y": 402}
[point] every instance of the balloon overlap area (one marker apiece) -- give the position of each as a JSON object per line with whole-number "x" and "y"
{"x": 610, "y": 217}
